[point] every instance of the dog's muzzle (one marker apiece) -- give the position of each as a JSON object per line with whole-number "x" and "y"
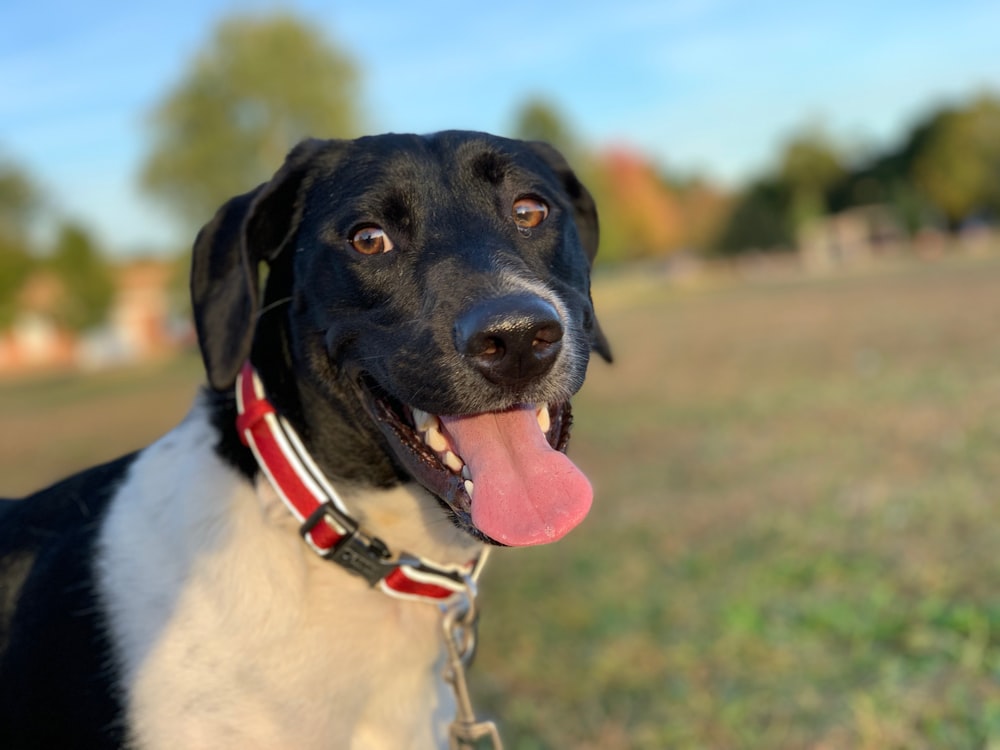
{"x": 510, "y": 340}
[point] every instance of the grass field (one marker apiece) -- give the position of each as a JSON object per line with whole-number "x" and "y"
{"x": 796, "y": 537}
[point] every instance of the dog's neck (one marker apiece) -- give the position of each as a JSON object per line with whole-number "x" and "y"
{"x": 227, "y": 569}
{"x": 342, "y": 440}
{"x": 329, "y": 526}
{"x": 319, "y": 400}
{"x": 322, "y": 419}
{"x": 381, "y": 508}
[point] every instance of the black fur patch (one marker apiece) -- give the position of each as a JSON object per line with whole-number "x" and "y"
{"x": 490, "y": 167}
{"x": 57, "y": 678}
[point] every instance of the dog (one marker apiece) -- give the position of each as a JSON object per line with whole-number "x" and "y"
{"x": 386, "y": 399}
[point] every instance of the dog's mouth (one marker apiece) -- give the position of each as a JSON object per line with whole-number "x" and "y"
{"x": 503, "y": 475}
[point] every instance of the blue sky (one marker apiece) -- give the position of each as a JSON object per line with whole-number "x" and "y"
{"x": 709, "y": 85}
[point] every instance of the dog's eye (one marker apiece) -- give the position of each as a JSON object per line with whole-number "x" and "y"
{"x": 529, "y": 212}
{"x": 371, "y": 240}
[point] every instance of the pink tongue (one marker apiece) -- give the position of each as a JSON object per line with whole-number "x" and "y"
{"x": 525, "y": 492}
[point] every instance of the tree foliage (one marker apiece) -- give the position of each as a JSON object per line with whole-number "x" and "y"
{"x": 945, "y": 171}
{"x": 19, "y": 198}
{"x": 15, "y": 266}
{"x": 261, "y": 85}
{"x": 810, "y": 165}
{"x": 641, "y": 216}
{"x": 87, "y": 284}
{"x": 643, "y": 213}
{"x": 956, "y": 160}
{"x": 770, "y": 212}
{"x": 759, "y": 220}
{"x": 539, "y": 120}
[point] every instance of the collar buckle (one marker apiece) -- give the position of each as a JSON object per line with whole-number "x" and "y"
{"x": 361, "y": 554}
{"x": 328, "y": 529}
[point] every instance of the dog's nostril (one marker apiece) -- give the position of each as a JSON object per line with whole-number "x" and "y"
{"x": 547, "y": 335}
{"x": 511, "y": 339}
{"x": 492, "y": 346}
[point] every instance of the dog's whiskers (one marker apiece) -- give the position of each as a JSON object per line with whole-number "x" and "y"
{"x": 273, "y": 305}
{"x": 373, "y": 358}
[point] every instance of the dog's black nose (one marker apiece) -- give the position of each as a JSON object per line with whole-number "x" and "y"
{"x": 510, "y": 339}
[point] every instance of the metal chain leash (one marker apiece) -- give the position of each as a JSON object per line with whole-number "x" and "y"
{"x": 459, "y": 630}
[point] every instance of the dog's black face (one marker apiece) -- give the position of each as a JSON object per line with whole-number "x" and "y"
{"x": 426, "y": 314}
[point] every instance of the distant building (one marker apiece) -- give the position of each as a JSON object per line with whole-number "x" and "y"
{"x": 35, "y": 342}
{"x": 849, "y": 238}
{"x": 141, "y": 323}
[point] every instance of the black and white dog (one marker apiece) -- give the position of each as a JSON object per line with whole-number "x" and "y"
{"x": 393, "y": 396}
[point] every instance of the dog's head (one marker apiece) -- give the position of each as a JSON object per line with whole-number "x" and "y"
{"x": 426, "y": 314}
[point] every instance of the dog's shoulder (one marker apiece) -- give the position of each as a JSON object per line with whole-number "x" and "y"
{"x": 77, "y": 500}
{"x": 55, "y": 674}
{"x": 48, "y": 533}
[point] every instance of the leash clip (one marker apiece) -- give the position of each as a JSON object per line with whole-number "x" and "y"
{"x": 361, "y": 554}
{"x": 459, "y": 629}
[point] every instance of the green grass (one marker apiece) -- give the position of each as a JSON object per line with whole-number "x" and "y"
{"x": 796, "y": 541}
{"x": 796, "y": 535}
{"x": 55, "y": 424}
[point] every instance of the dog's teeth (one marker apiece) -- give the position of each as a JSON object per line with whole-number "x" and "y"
{"x": 423, "y": 421}
{"x": 469, "y": 487}
{"x": 542, "y": 414}
{"x": 435, "y": 439}
{"x": 466, "y": 474}
{"x": 452, "y": 461}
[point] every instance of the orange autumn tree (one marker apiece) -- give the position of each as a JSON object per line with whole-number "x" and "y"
{"x": 645, "y": 216}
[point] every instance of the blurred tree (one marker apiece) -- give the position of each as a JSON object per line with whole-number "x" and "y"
{"x": 641, "y": 216}
{"x": 759, "y": 220}
{"x": 704, "y": 207}
{"x": 261, "y": 85}
{"x": 642, "y": 213}
{"x": 946, "y": 169}
{"x": 615, "y": 245}
{"x": 810, "y": 166}
{"x": 87, "y": 283}
{"x": 885, "y": 181}
{"x": 955, "y": 160}
{"x": 539, "y": 120}
{"x": 19, "y": 200}
{"x": 770, "y": 213}
{"x": 179, "y": 288}
{"x": 15, "y": 266}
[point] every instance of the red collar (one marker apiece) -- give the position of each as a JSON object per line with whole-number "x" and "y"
{"x": 327, "y": 527}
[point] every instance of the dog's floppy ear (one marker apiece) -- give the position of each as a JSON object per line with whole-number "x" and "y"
{"x": 587, "y": 225}
{"x": 247, "y": 230}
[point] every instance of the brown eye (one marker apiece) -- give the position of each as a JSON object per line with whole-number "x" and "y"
{"x": 529, "y": 212}
{"x": 371, "y": 240}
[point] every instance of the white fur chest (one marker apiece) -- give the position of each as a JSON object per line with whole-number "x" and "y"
{"x": 229, "y": 632}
